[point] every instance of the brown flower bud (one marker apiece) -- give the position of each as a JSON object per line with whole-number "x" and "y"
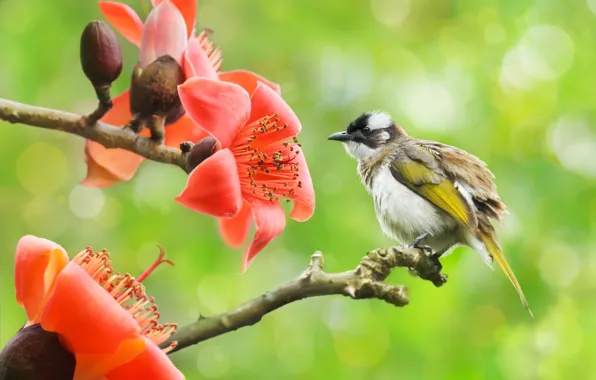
{"x": 101, "y": 57}
{"x": 34, "y": 353}
{"x": 200, "y": 152}
{"x": 155, "y": 90}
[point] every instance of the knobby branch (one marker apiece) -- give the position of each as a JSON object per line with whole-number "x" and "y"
{"x": 363, "y": 282}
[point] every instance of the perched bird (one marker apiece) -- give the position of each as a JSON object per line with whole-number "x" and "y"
{"x": 431, "y": 195}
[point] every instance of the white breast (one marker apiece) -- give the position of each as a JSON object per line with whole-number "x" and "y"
{"x": 403, "y": 214}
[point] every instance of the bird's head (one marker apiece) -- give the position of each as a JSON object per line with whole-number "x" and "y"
{"x": 368, "y": 134}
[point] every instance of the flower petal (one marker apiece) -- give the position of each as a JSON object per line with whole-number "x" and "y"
{"x": 124, "y": 19}
{"x": 213, "y": 187}
{"x": 37, "y": 263}
{"x": 107, "y": 166}
{"x": 151, "y": 364}
{"x": 164, "y": 34}
{"x": 183, "y": 130}
{"x": 196, "y": 61}
{"x": 270, "y": 221}
{"x": 218, "y": 107}
{"x": 266, "y": 102}
{"x": 304, "y": 196}
{"x": 188, "y": 9}
{"x": 96, "y": 366}
{"x": 85, "y": 315}
{"x": 247, "y": 80}
{"x": 235, "y": 230}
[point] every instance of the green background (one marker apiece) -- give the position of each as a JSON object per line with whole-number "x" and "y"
{"x": 510, "y": 81}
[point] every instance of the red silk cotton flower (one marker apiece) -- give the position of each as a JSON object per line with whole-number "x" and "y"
{"x": 258, "y": 165}
{"x": 168, "y": 30}
{"x": 104, "y": 319}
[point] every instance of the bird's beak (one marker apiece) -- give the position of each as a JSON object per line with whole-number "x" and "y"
{"x": 340, "y": 136}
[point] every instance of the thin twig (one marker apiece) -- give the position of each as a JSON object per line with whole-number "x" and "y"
{"x": 105, "y": 134}
{"x": 363, "y": 282}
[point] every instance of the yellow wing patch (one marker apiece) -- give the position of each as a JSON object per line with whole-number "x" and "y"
{"x": 435, "y": 188}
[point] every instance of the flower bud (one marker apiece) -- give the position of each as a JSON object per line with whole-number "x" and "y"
{"x": 101, "y": 57}
{"x": 155, "y": 90}
{"x": 33, "y": 354}
{"x": 200, "y": 152}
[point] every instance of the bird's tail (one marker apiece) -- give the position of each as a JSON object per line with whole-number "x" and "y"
{"x": 495, "y": 251}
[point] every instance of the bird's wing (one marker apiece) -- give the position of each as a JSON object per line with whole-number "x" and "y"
{"x": 470, "y": 174}
{"x": 417, "y": 168}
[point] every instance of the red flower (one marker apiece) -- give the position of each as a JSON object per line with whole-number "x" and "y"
{"x": 104, "y": 319}
{"x": 169, "y": 29}
{"x": 259, "y": 164}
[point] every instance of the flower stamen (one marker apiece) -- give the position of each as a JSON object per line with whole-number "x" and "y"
{"x": 129, "y": 293}
{"x": 268, "y": 168}
{"x": 213, "y": 53}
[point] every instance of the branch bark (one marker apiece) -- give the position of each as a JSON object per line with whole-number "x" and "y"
{"x": 363, "y": 282}
{"x": 108, "y": 135}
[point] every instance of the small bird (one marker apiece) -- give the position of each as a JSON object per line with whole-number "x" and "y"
{"x": 431, "y": 195}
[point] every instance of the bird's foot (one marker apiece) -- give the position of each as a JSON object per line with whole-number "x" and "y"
{"x": 416, "y": 243}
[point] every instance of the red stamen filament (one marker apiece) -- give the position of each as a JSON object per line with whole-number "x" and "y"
{"x": 160, "y": 260}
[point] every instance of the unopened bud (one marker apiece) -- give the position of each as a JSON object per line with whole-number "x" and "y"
{"x": 101, "y": 57}
{"x": 33, "y": 354}
{"x": 200, "y": 152}
{"x": 155, "y": 90}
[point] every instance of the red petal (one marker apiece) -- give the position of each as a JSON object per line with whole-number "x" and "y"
{"x": 107, "y": 166}
{"x": 304, "y": 198}
{"x": 164, "y": 34}
{"x": 188, "y": 9}
{"x": 196, "y": 61}
{"x": 183, "y": 130}
{"x": 37, "y": 263}
{"x": 124, "y": 19}
{"x": 151, "y": 364}
{"x": 247, "y": 80}
{"x": 235, "y": 230}
{"x": 270, "y": 221}
{"x": 218, "y": 107}
{"x": 85, "y": 315}
{"x": 266, "y": 102}
{"x": 213, "y": 187}
{"x": 96, "y": 366}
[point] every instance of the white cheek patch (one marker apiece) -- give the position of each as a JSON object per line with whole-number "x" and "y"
{"x": 383, "y": 136}
{"x": 359, "y": 151}
{"x": 379, "y": 120}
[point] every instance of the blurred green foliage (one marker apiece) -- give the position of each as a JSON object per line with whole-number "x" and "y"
{"x": 510, "y": 81}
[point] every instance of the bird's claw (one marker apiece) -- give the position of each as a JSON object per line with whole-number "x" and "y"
{"x": 416, "y": 243}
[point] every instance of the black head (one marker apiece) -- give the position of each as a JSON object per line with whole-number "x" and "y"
{"x": 368, "y": 133}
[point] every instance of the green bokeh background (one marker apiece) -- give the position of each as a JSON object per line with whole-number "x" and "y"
{"x": 510, "y": 81}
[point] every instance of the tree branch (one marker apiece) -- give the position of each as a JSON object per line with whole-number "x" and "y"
{"x": 105, "y": 134}
{"x": 364, "y": 282}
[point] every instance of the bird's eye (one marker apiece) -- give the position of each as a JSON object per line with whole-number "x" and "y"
{"x": 366, "y": 130}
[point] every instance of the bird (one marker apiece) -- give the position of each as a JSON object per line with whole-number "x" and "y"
{"x": 431, "y": 195}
